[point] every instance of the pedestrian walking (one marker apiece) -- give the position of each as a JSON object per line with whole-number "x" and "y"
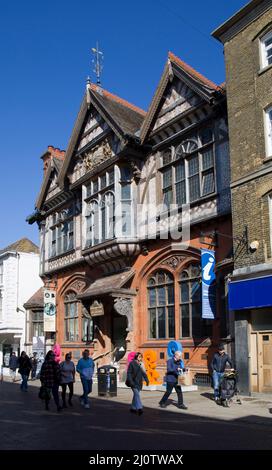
{"x": 67, "y": 378}
{"x": 85, "y": 367}
{"x": 34, "y": 364}
{"x": 13, "y": 365}
{"x": 175, "y": 367}
{"x": 135, "y": 376}
{"x": 218, "y": 366}
{"x": 50, "y": 379}
{"x": 24, "y": 369}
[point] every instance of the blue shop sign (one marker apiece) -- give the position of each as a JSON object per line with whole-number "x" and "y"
{"x": 250, "y": 293}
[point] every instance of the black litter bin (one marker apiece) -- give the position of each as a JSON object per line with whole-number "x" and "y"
{"x": 107, "y": 381}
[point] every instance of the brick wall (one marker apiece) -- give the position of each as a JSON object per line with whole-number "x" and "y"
{"x": 249, "y": 92}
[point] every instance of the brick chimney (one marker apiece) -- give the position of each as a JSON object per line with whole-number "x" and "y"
{"x": 51, "y": 153}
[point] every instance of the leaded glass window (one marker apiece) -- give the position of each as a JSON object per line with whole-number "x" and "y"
{"x": 190, "y": 302}
{"x": 161, "y": 305}
{"x": 188, "y": 169}
{"x": 71, "y": 330}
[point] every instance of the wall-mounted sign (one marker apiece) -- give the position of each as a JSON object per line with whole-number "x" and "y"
{"x": 49, "y": 316}
{"x": 208, "y": 284}
{"x": 96, "y": 309}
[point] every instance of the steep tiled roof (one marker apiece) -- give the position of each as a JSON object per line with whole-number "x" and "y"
{"x": 192, "y": 71}
{"x": 24, "y": 245}
{"x": 128, "y": 116}
{"x": 36, "y": 300}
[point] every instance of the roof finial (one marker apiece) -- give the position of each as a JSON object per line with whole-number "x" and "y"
{"x": 88, "y": 86}
{"x": 97, "y": 60}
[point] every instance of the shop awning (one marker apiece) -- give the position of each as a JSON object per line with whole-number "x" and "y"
{"x": 107, "y": 285}
{"x": 250, "y": 293}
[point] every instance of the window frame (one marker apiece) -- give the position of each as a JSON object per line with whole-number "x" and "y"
{"x": 167, "y": 305}
{"x": 177, "y": 157}
{"x": 270, "y": 220}
{"x": 264, "y": 61}
{"x": 69, "y": 299}
{"x": 95, "y": 218}
{"x": 1, "y": 305}
{"x": 37, "y": 322}
{"x": 268, "y": 130}
{"x": 62, "y": 236}
{"x": 189, "y": 280}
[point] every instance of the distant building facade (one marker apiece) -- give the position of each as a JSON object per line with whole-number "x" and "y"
{"x": 19, "y": 278}
{"x": 247, "y": 39}
{"x": 122, "y": 282}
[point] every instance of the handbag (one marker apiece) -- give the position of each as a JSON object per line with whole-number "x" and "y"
{"x": 44, "y": 393}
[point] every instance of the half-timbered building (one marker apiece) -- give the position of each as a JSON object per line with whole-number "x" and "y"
{"x": 123, "y": 216}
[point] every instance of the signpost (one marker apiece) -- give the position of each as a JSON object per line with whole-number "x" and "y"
{"x": 208, "y": 284}
{"x": 49, "y": 310}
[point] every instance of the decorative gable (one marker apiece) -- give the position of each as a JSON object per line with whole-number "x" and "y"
{"x": 178, "y": 98}
{"x": 94, "y": 127}
{"x": 53, "y": 188}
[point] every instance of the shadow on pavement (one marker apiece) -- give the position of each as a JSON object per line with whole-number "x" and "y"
{"x": 108, "y": 425}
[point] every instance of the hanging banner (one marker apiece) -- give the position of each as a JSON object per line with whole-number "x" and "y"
{"x": 208, "y": 284}
{"x": 49, "y": 316}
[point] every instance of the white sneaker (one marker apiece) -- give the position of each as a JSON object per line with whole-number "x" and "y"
{"x": 86, "y": 406}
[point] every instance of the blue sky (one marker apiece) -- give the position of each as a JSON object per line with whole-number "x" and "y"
{"x": 45, "y": 59}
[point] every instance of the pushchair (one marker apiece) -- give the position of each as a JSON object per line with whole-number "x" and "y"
{"x": 228, "y": 388}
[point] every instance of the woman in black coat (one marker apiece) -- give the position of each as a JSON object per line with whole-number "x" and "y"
{"x": 135, "y": 376}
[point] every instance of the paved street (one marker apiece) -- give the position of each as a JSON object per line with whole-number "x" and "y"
{"x": 24, "y": 424}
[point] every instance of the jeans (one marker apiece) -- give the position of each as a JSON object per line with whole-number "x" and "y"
{"x": 169, "y": 388}
{"x": 24, "y": 382}
{"x": 136, "y": 400}
{"x": 87, "y": 388}
{"x": 217, "y": 378}
{"x": 33, "y": 372}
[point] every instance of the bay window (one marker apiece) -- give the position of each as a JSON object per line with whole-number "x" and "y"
{"x": 188, "y": 170}
{"x": 62, "y": 232}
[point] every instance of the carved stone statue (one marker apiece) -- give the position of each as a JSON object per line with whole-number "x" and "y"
{"x": 124, "y": 307}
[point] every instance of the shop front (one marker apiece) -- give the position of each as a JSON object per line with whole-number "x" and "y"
{"x": 251, "y": 301}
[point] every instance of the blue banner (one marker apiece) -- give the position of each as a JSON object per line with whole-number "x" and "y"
{"x": 208, "y": 284}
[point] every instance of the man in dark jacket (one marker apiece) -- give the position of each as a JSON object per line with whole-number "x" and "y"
{"x": 175, "y": 366}
{"x": 13, "y": 365}
{"x": 218, "y": 366}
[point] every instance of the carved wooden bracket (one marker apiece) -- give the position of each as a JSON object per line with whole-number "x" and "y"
{"x": 124, "y": 307}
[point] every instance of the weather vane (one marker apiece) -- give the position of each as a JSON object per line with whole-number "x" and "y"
{"x": 97, "y": 60}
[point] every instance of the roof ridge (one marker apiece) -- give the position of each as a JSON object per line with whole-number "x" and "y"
{"x": 118, "y": 99}
{"x": 192, "y": 71}
{"x": 18, "y": 246}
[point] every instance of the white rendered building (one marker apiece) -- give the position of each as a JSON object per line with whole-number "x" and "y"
{"x": 19, "y": 279}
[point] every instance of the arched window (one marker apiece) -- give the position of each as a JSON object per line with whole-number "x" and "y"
{"x": 161, "y": 305}
{"x": 71, "y": 330}
{"x": 190, "y": 302}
